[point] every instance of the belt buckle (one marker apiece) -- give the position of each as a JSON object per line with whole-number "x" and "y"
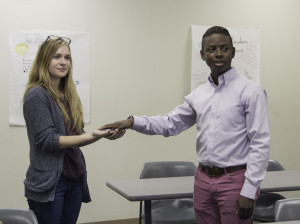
{"x": 207, "y": 170}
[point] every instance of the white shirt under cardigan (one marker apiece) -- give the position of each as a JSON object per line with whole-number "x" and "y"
{"x": 232, "y": 125}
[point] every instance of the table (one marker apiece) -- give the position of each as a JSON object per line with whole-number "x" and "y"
{"x": 182, "y": 187}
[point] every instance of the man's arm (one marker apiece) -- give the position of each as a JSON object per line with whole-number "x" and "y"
{"x": 257, "y": 121}
{"x": 171, "y": 124}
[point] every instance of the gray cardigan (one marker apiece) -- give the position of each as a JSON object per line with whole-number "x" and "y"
{"x": 45, "y": 123}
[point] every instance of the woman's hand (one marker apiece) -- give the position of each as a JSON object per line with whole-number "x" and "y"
{"x": 110, "y": 134}
{"x": 102, "y": 133}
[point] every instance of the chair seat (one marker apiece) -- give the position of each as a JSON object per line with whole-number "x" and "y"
{"x": 17, "y": 216}
{"x": 287, "y": 210}
{"x": 173, "y": 211}
{"x": 265, "y": 207}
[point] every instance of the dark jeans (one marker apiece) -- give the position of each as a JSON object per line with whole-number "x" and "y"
{"x": 66, "y": 205}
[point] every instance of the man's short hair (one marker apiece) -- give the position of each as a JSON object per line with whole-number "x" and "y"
{"x": 216, "y": 29}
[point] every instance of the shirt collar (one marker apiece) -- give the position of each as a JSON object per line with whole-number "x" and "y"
{"x": 226, "y": 77}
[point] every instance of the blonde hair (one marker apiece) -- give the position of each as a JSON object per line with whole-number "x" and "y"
{"x": 39, "y": 76}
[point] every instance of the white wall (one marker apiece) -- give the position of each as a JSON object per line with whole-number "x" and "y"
{"x": 140, "y": 59}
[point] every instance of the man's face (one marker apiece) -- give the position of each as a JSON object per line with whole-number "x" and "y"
{"x": 218, "y": 53}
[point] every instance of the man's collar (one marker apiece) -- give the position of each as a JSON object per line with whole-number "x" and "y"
{"x": 225, "y": 77}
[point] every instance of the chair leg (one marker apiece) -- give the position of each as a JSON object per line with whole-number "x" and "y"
{"x": 140, "y": 215}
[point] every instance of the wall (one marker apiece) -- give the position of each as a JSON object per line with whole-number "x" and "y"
{"x": 140, "y": 63}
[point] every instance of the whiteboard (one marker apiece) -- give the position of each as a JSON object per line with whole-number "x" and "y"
{"x": 23, "y": 46}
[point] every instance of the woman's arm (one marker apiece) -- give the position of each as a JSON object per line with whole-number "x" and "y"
{"x": 83, "y": 139}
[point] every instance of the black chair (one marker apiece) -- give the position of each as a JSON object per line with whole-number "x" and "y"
{"x": 17, "y": 216}
{"x": 265, "y": 206}
{"x": 287, "y": 210}
{"x": 170, "y": 210}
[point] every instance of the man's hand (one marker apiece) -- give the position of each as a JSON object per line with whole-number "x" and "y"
{"x": 244, "y": 207}
{"x": 118, "y": 128}
{"x": 119, "y": 125}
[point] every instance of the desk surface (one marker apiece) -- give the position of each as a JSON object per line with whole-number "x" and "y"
{"x": 288, "y": 180}
{"x": 154, "y": 188}
{"x": 182, "y": 187}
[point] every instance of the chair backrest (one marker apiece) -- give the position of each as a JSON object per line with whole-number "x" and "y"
{"x": 17, "y": 216}
{"x": 274, "y": 166}
{"x": 287, "y": 210}
{"x": 167, "y": 169}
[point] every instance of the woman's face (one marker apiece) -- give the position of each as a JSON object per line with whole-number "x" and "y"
{"x": 60, "y": 64}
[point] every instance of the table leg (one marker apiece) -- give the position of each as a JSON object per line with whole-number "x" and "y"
{"x": 148, "y": 212}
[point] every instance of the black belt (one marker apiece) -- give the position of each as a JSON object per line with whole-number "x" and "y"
{"x": 213, "y": 171}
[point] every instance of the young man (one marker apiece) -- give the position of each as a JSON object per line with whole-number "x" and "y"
{"x": 233, "y": 139}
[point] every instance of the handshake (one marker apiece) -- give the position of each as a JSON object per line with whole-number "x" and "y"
{"x": 114, "y": 130}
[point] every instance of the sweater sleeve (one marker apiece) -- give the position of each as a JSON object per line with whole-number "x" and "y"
{"x": 38, "y": 113}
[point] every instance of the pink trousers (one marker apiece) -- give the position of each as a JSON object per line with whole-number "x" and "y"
{"x": 215, "y": 198}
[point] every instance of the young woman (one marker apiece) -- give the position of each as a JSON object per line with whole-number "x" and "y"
{"x": 56, "y": 180}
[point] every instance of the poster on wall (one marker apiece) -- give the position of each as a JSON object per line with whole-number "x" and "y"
{"x": 246, "y": 60}
{"x": 23, "y": 46}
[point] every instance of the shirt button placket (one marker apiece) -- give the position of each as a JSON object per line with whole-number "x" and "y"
{"x": 212, "y": 124}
